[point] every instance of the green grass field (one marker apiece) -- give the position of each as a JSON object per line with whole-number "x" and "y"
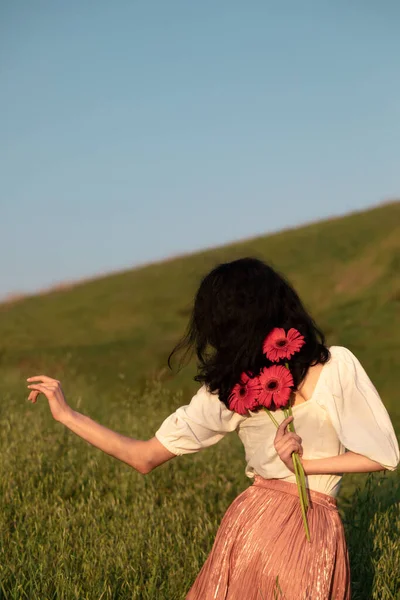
{"x": 76, "y": 523}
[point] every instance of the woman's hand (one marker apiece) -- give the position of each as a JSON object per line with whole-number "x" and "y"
{"x": 287, "y": 442}
{"x": 51, "y": 388}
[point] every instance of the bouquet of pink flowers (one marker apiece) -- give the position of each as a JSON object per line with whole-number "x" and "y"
{"x": 270, "y": 390}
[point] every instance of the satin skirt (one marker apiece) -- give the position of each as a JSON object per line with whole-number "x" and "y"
{"x": 261, "y": 551}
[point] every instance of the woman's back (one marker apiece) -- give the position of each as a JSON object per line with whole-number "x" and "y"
{"x": 337, "y": 408}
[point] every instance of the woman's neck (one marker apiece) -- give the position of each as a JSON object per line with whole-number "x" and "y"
{"x": 307, "y": 386}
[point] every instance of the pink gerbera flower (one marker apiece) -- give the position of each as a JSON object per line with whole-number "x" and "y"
{"x": 276, "y": 383}
{"x": 278, "y": 345}
{"x": 244, "y": 395}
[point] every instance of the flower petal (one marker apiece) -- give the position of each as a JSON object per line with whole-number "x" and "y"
{"x": 274, "y": 348}
{"x": 280, "y": 394}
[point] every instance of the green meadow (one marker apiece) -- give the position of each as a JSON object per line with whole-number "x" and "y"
{"x": 78, "y": 524}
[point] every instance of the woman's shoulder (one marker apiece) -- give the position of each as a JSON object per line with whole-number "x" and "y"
{"x": 344, "y": 369}
{"x": 341, "y": 355}
{"x": 209, "y": 407}
{"x": 340, "y": 371}
{"x": 203, "y": 397}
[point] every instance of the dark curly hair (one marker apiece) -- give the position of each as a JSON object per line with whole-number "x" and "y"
{"x": 237, "y": 304}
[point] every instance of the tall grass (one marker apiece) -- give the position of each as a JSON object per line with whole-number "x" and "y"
{"x": 77, "y": 524}
{"x": 372, "y": 525}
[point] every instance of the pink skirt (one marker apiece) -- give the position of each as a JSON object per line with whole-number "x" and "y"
{"x": 261, "y": 551}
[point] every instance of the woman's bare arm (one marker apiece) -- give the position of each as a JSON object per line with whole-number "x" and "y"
{"x": 142, "y": 455}
{"x": 349, "y": 462}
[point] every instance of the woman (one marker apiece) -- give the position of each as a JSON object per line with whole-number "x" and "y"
{"x": 261, "y": 550}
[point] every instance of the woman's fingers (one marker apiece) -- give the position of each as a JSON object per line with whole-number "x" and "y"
{"x": 280, "y": 432}
{"x": 51, "y": 388}
{"x": 41, "y": 384}
{"x": 33, "y": 396}
{"x": 43, "y": 378}
{"x": 282, "y": 436}
{"x": 286, "y": 450}
{"x": 295, "y": 447}
{"x": 287, "y": 442}
{"x": 290, "y": 435}
{"x": 289, "y": 446}
{"x": 41, "y": 388}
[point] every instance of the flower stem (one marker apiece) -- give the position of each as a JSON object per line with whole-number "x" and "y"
{"x": 303, "y": 482}
{"x": 300, "y": 476}
{"x": 302, "y": 492}
{"x": 299, "y": 471}
{"x": 289, "y": 413}
{"x": 275, "y": 422}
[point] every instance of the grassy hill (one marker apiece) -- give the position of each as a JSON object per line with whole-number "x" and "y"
{"x": 65, "y": 508}
{"x": 124, "y": 325}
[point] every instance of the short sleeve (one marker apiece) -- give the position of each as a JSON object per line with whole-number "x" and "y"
{"x": 357, "y": 412}
{"x": 198, "y": 425}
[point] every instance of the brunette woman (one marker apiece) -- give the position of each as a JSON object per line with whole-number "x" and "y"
{"x": 341, "y": 426}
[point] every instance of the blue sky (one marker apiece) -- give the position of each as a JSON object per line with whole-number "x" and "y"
{"x": 133, "y": 131}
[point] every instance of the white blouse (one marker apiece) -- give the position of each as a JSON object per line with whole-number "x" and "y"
{"x": 344, "y": 412}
